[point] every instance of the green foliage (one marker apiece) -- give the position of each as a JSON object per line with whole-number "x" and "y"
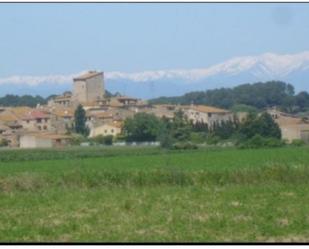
{"x": 258, "y": 95}
{"x": 77, "y": 139}
{"x": 297, "y": 142}
{"x": 257, "y": 141}
{"x": 224, "y": 130}
{"x": 213, "y": 139}
{"x": 262, "y": 125}
{"x": 166, "y": 140}
{"x": 3, "y": 142}
{"x": 106, "y": 140}
{"x": 143, "y": 127}
{"x": 25, "y": 100}
{"x": 184, "y": 146}
{"x": 244, "y": 108}
{"x": 80, "y": 121}
{"x": 180, "y": 127}
{"x": 198, "y": 137}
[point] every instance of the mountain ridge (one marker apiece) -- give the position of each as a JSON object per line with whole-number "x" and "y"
{"x": 292, "y": 68}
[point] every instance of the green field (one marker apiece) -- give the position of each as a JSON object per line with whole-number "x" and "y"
{"x": 151, "y": 195}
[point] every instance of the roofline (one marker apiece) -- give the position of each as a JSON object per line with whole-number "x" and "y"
{"x": 87, "y": 77}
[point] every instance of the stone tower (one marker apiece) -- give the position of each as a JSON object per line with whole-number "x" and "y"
{"x": 89, "y": 87}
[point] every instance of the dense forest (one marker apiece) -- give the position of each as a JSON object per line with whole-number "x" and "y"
{"x": 247, "y": 96}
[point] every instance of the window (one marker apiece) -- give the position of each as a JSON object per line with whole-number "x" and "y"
{"x": 209, "y": 115}
{"x": 112, "y": 130}
{"x": 45, "y": 127}
{"x": 39, "y": 120}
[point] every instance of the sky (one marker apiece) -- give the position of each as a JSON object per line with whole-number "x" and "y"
{"x": 58, "y": 38}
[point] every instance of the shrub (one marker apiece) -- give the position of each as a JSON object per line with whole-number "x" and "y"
{"x": 106, "y": 140}
{"x": 198, "y": 137}
{"x": 258, "y": 141}
{"x": 166, "y": 141}
{"x": 184, "y": 146}
{"x": 297, "y": 142}
{"x": 211, "y": 139}
{"x": 4, "y": 142}
{"x": 77, "y": 139}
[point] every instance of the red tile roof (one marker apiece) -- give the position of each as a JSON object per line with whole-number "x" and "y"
{"x": 35, "y": 114}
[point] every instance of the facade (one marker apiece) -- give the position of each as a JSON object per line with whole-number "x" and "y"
{"x": 291, "y": 127}
{"x": 88, "y": 87}
{"x": 43, "y": 140}
{"x": 62, "y": 100}
{"x": 207, "y": 114}
{"x": 113, "y": 129}
{"x": 36, "y": 120}
{"x": 61, "y": 119}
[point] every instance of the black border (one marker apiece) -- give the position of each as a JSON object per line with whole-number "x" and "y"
{"x": 155, "y": 243}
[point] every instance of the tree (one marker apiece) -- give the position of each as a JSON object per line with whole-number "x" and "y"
{"x": 80, "y": 121}
{"x": 4, "y": 142}
{"x": 225, "y": 129}
{"x": 262, "y": 125}
{"x": 106, "y": 140}
{"x": 142, "y": 127}
{"x": 180, "y": 127}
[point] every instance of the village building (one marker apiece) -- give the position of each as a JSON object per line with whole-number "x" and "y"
{"x": 88, "y": 87}
{"x": 161, "y": 111}
{"x": 61, "y": 119}
{"x": 43, "y": 140}
{"x": 112, "y": 128}
{"x": 207, "y": 114}
{"x": 292, "y": 127}
{"x": 61, "y": 100}
{"x": 36, "y": 120}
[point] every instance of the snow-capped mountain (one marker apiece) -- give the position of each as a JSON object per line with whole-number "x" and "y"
{"x": 292, "y": 68}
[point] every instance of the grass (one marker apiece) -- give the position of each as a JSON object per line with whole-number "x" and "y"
{"x": 148, "y": 195}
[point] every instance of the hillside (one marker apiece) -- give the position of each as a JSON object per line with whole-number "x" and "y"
{"x": 259, "y": 95}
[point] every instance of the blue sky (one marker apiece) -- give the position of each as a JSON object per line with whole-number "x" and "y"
{"x": 40, "y": 39}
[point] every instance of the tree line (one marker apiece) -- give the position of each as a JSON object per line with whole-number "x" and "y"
{"x": 246, "y": 97}
{"x": 32, "y": 101}
{"x": 25, "y": 100}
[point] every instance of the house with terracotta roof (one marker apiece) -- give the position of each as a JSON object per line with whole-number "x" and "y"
{"x": 36, "y": 120}
{"x": 207, "y": 114}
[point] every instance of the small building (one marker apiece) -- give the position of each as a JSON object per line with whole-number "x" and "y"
{"x": 43, "y": 140}
{"x": 291, "y": 127}
{"x": 161, "y": 111}
{"x": 64, "y": 100}
{"x": 113, "y": 128}
{"x": 61, "y": 119}
{"x": 36, "y": 120}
